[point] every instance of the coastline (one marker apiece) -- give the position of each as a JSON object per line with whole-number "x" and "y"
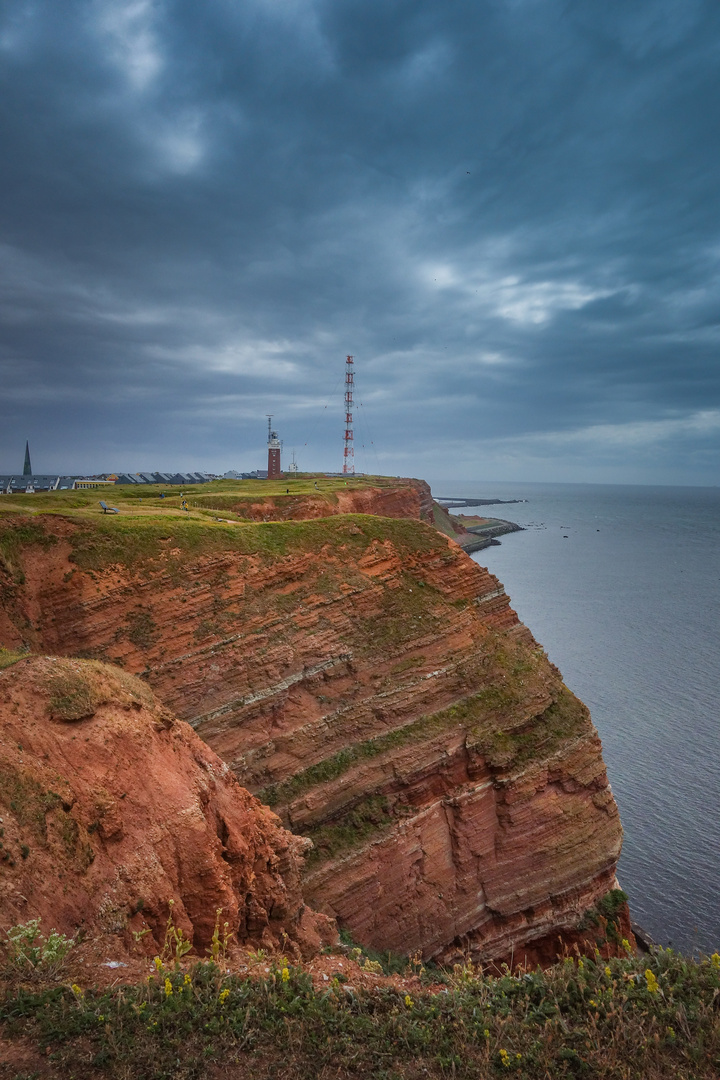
{"x": 484, "y": 535}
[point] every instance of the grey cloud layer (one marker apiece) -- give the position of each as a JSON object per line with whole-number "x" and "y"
{"x": 508, "y": 211}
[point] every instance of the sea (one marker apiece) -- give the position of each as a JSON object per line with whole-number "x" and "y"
{"x": 621, "y": 586}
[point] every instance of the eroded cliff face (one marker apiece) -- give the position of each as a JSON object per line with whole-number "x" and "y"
{"x": 372, "y": 684}
{"x": 402, "y": 498}
{"x": 111, "y": 809}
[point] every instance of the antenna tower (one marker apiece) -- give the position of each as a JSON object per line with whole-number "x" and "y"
{"x": 349, "y": 451}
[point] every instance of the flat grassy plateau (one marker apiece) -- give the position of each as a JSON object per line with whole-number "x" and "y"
{"x": 150, "y": 498}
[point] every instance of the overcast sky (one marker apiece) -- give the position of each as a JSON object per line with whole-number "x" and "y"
{"x": 507, "y": 210}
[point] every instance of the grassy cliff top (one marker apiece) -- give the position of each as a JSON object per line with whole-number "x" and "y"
{"x": 146, "y": 498}
{"x": 149, "y": 527}
{"x": 100, "y": 542}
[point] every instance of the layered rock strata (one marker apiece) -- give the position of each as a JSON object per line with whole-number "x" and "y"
{"x": 111, "y": 811}
{"x": 370, "y": 682}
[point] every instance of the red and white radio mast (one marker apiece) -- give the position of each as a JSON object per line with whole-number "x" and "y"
{"x": 349, "y": 452}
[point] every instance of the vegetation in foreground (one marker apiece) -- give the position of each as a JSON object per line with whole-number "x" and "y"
{"x": 651, "y": 1017}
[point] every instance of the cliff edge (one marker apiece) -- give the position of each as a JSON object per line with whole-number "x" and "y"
{"x": 373, "y": 685}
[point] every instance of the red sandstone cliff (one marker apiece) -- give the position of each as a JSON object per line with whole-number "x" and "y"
{"x": 403, "y": 498}
{"x": 372, "y": 683}
{"x": 110, "y": 808}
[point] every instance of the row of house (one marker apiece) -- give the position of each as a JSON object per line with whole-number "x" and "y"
{"x": 256, "y": 474}
{"x": 29, "y": 484}
{"x": 164, "y": 478}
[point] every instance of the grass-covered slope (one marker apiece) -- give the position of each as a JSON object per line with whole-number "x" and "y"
{"x": 654, "y": 1018}
{"x": 307, "y": 495}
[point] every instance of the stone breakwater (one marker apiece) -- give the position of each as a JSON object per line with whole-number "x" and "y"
{"x": 372, "y": 684}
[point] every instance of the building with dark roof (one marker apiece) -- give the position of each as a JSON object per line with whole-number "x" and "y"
{"x": 20, "y": 485}
{"x": 164, "y": 478}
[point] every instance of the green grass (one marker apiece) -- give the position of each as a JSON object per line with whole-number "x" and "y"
{"x": 240, "y": 503}
{"x": 9, "y": 657}
{"x": 565, "y": 719}
{"x": 606, "y": 911}
{"x": 350, "y": 830}
{"x": 23, "y": 533}
{"x": 132, "y": 542}
{"x": 129, "y": 495}
{"x": 391, "y": 963}
{"x": 624, "y": 1019}
{"x": 443, "y": 522}
{"x": 407, "y": 664}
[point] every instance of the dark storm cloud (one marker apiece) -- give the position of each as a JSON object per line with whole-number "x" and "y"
{"x": 508, "y": 211}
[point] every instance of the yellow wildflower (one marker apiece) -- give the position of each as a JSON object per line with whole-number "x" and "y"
{"x": 187, "y": 981}
{"x": 715, "y": 960}
{"x": 224, "y": 995}
{"x": 409, "y": 1001}
{"x": 505, "y": 1058}
{"x": 652, "y": 983}
{"x": 486, "y": 1033}
{"x": 77, "y": 990}
{"x": 157, "y": 962}
{"x": 627, "y": 946}
{"x": 168, "y": 988}
{"x": 285, "y": 974}
{"x": 608, "y": 972}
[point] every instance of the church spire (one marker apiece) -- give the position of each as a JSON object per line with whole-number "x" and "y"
{"x": 27, "y": 467}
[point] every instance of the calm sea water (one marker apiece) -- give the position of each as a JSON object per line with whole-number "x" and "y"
{"x": 621, "y": 585}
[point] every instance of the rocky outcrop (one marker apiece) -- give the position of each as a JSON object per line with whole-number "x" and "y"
{"x": 111, "y": 809}
{"x": 399, "y": 499}
{"x": 371, "y": 683}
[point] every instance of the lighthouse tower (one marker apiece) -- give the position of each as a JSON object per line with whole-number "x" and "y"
{"x": 274, "y": 447}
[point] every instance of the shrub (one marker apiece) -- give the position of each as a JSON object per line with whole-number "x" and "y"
{"x": 29, "y": 950}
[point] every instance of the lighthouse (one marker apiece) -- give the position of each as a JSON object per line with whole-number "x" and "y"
{"x": 274, "y": 447}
